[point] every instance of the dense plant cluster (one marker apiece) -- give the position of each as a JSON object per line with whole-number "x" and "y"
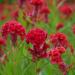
{"x": 37, "y": 38}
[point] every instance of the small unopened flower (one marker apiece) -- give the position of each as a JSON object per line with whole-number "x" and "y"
{"x": 66, "y": 10}
{"x": 14, "y": 29}
{"x": 59, "y": 39}
{"x": 59, "y": 26}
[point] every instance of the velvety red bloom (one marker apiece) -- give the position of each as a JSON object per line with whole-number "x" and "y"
{"x": 39, "y": 52}
{"x": 55, "y": 56}
{"x": 65, "y": 9}
{"x": 14, "y": 29}
{"x": 36, "y": 36}
{"x": 45, "y": 10}
{"x": 59, "y": 26}
{"x": 37, "y": 2}
{"x": 59, "y": 39}
{"x": 60, "y": 49}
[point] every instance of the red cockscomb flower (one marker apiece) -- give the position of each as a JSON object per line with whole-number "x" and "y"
{"x": 59, "y": 39}
{"x": 60, "y": 49}
{"x": 45, "y": 10}
{"x": 55, "y": 56}
{"x": 65, "y": 9}
{"x": 36, "y": 36}
{"x": 14, "y": 29}
{"x": 37, "y": 2}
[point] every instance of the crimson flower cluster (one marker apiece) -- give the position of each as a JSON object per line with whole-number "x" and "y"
{"x": 55, "y": 55}
{"x": 37, "y": 2}
{"x": 65, "y": 9}
{"x": 45, "y": 10}
{"x": 14, "y": 29}
{"x": 60, "y": 44}
{"x": 59, "y": 39}
{"x": 37, "y": 38}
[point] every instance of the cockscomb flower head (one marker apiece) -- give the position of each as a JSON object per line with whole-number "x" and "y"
{"x": 61, "y": 49}
{"x": 36, "y": 36}
{"x": 59, "y": 39}
{"x": 66, "y": 9}
{"x": 55, "y": 56}
{"x": 45, "y": 10}
{"x": 14, "y": 29}
{"x": 37, "y": 2}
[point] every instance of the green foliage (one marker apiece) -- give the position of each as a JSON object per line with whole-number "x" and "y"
{"x": 19, "y": 60}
